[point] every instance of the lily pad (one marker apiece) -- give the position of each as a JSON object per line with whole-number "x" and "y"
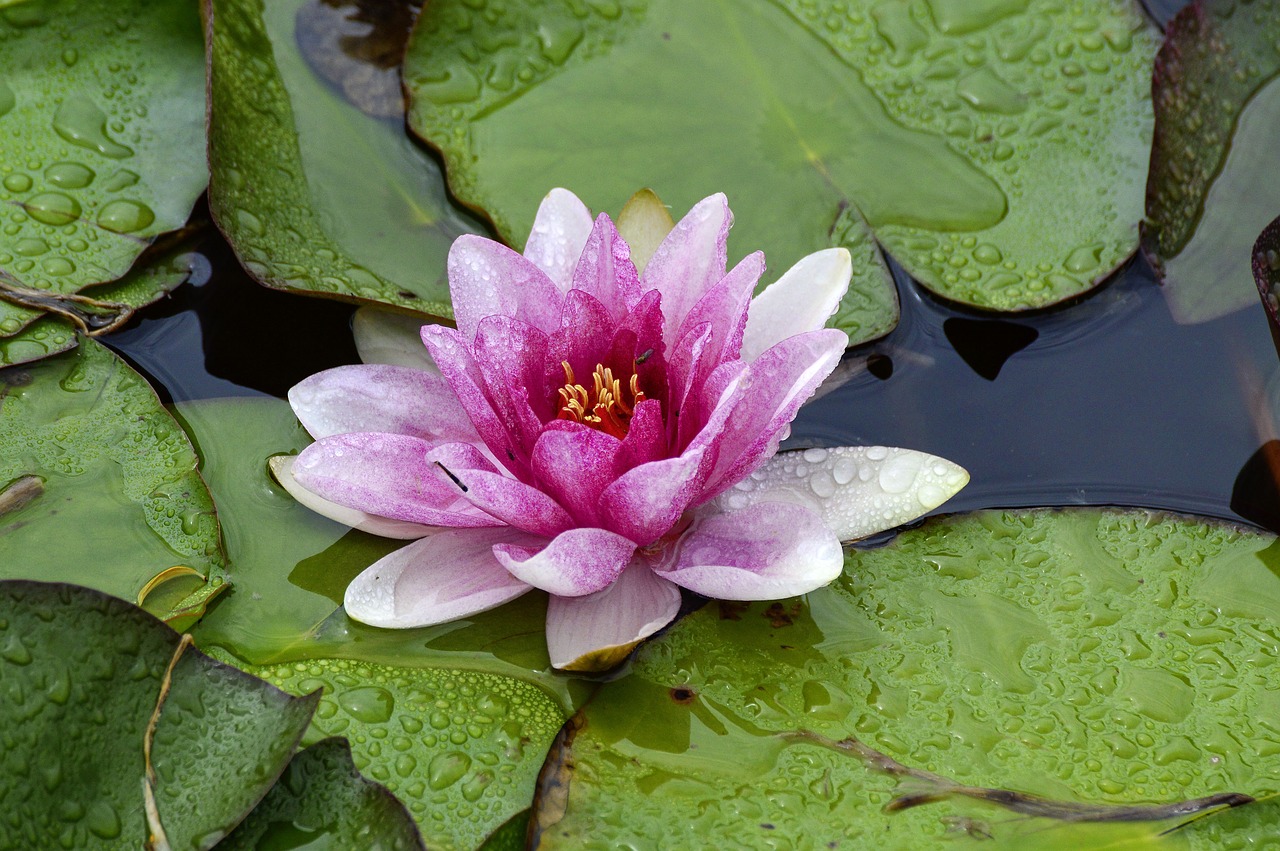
{"x": 118, "y": 499}
{"x": 1065, "y": 679}
{"x": 997, "y": 149}
{"x": 461, "y": 749}
{"x": 313, "y": 194}
{"x": 101, "y": 140}
{"x": 1211, "y": 188}
{"x": 47, "y": 335}
{"x": 115, "y": 731}
{"x": 322, "y": 797}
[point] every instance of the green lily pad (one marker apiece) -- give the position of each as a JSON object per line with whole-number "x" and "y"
{"x": 101, "y": 140}
{"x": 119, "y": 499}
{"x": 116, "y": 731}
{"x": 313, "y": 194}
{"x": 47, "y": 335}
{"x": 291, "y": 568}
{"x": 1049, "y": 678}
{"x": 1211, "y": 188}
{"x": 461, "y": 749}
{"x": 322, "y": 797}
{"x": 997, "y": 149}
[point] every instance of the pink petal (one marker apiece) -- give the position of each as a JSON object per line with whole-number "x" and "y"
{"x": 513, "y": 358}
{"x": 596, "y": 632}
{"x": 763, "y": 402}
{"x": 560, "y": 230}
{"x": 573, "y": 464}
{"x": 765, "y": 552}
{"x": 282, "y": 470}
{"x": 584, "y": 339}
{"x": 803, "y": 299}
{"x": 387, "y": 475}
{"x": 646, "y": 438}
{"x": 689, "y": 261}
{"x": 725, "y": 307}
{"x": 606, "y": 271}
{"x": 574, "y": 563}
{"x": 489, "y": 279}
{"x": 509, "y": 500}
{"x": 447, "y": 576}
{"x": 375, "y": 397}
{"x": 468, "y": 384}
{"x": 646, "y": 501}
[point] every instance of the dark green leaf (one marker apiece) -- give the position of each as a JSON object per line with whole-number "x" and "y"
{"x": 120, "y": 500}
{"x": 313, "y": 194}
{"x": 323, "y": 798}
{"x": 1212, "y": 186}
{"x": 461, "y": 749}
{"x": 1055, "y": 679}
{"x": 997, "y": 150}
{"x": 91, "y": 687}
{"x": 101, "y": 137}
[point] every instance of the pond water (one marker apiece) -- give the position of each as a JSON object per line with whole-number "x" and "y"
{"x": 1107, "y": 401}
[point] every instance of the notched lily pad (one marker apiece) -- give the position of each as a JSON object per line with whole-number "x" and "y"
{"x": 99, "y": 695}
{"x": 101, "y": 140}
{"x": 1211, "y": 186}
{"x": 998, "y": 150}
{"x": 121, "y": 499}
{"x": 322, "y": 797}
{"x": 313, "y": 194}
{"x": 461, "y": 749}
{"x": 1061, "y": 679}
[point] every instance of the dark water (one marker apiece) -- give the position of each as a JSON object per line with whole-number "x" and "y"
{"x": 1107, "y": 401}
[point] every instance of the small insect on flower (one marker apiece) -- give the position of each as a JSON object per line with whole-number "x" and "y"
{"x": 602, "y": 425}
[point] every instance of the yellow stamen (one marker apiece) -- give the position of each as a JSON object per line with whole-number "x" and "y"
{"x": 606, "y": 407}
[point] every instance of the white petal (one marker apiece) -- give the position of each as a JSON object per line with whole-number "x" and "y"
{"x": 596, "y": 632}
{"x": 857, "y": 490}
{"x": 801, "y": 300}
{"x": 440, "y": 578}
{"x": 560, "y": 230}
{"x": 282, "y": 469}
{"x": 392, "y": 338}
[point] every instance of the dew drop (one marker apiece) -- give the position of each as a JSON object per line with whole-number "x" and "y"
{"x": 53, "y": 208}
{"x": 125, "y": 216}
{"x": 17, "y": 182}
{"x": 80, "y": 122}
{"x": 446, "y": 769}
{"x": 7, "y": 98}
{"x": 69, "y": 175}
{"x": 370, "y": 704}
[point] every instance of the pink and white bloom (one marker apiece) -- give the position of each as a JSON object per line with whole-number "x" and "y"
{"x": 605, "y": 435}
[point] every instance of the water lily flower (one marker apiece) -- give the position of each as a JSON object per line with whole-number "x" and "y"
{"x": 603, "y": 425}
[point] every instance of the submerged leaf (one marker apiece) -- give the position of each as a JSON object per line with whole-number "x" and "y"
{"x": 1211, "y": 187}
{"x": 1089, "y": 670}
{"x": 102, "y": 112}
{"x": 998, "y": 149}
{"x": 313, "y": 194}
{"x": 115, "y": 469}
{"x": 99, "y": 694}
{"x": 323, "y": 797}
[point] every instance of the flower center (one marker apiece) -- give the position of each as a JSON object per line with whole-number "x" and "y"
{"x": 607, "y": 407}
